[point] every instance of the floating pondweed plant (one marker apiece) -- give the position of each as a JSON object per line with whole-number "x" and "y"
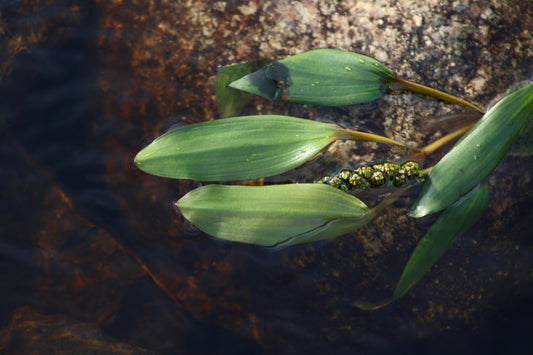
{"x": 330, "y": 77}
{"x": 249, "y": 147}
{"x": 376, "y": 175}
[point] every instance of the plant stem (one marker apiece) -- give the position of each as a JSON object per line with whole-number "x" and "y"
{"x": 371, "y": 306}
{"x": 430, "y": 148}
{"x": 421, "y": 89}
{"x": 369, "y": 137}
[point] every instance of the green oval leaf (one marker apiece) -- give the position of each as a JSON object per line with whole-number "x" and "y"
{"x": 454, "y": 221}
{"x": 237, "y": 148}
{"x": 474, "y": 157}
{"x": 324, "y": 77}
{"x": 275, "y": 215}
{"x": 241, "y": 148}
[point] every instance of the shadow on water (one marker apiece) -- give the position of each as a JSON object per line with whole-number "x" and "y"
{"x": 94, "y": 257}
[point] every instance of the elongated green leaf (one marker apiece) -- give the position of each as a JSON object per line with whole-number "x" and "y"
{"x": 275, "y": 215}
{"x": 454, "y": 221}
{"x": 324, "y": 77}
{"x": 474, "y": 157}
{"x": 241, "y": 148}
{"x": 230, "y": 102}
{"x": 237, "y": 148}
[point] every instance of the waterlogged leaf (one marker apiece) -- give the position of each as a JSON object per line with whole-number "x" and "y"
{"x": 275, "y": 215}
{"x": 323, "y": 77}
{"x": 241, "y": 148}
{"x": 454, "y": 221}
{"x": 477, "y": 154}
{"x": 230, "y": 102}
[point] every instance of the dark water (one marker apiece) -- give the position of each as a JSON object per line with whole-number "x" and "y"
{"x": 95, "y": 260}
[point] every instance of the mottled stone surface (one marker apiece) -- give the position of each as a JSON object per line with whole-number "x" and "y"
{"x": 107, "y": 248}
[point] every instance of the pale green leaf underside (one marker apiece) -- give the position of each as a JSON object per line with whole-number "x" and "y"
{"x": 230, "y": 102}
{"x": 237, "y": 148}
{"x": 276, "y": 215}
{"x": 474, "y": 157}
{"x": 454, "y": 221}
{"x": 258, "y": 83}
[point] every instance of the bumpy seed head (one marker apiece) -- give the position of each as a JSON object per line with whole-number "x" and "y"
{"x": 411, "y": 168}
{"x": 366, "y": 171}
{"x": 338, "y": 183}
{"x": 345, "y": 175}
{"x": 375, "y": 175}
{"x": 422, "y": 175}
{"x": 399, "y": 178}
{"x": 378, "y": 166}
{"x": 390, "y": 168}
{"x": 355, "y": 180}
{"x": 377, "y": 179}
{"x": 335, "y": 181}
{"x": 324, "y": 180}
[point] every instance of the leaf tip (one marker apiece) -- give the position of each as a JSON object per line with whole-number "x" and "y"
{"x": 140, "y": 158}
{"x": 178, "y": 205}
{"x": 419, "y": 211}
{"x": 137, "y": 160}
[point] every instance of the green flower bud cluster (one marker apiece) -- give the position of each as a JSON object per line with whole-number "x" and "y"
{"x": 376, "y": 175}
